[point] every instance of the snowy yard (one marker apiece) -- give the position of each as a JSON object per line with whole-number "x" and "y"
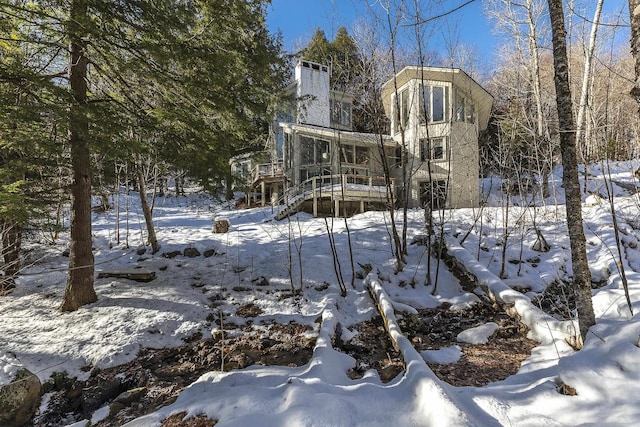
{"x": 265, "y": 272}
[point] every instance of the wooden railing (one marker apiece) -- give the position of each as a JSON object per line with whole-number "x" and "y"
{"x": 374, "y": 186}
{"x": 267, "y": 170}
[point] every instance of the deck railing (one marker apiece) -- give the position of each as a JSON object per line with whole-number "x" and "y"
{"x": 372, "y": 186}
{"x": 267, "y": 170}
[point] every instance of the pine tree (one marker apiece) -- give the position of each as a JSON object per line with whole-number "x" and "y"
{"x": 188, "y": 82}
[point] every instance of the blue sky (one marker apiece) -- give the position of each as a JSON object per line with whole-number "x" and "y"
{"x": 298, "y": 19}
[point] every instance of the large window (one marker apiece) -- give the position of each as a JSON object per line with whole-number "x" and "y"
{"x": 432, "y": 148}
{"x": 433, "y": 194}
{"x": 404, "y": 107}
{"x": 464, "y": 110}
{"x": 401, "y": 111}
{"x": 340, "y": 113}
{"x": 353, "y": 154}
{"x": 314, "y": 151}
{"x": 434, "y": 104}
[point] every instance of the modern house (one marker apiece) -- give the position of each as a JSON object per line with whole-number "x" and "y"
{"x": 319, "y": 165}
{"x": 437, "y": 115}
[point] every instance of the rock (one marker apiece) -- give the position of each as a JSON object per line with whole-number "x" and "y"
{"x": 95, "y": 396}
{"x": 261, "y": 281}
{"x": 66, "y": 253}
{"x": 221, "y": 225}
{"x": 115, "y": 407}
{"x": 137, "y": 274}
{"x": 210, "y": 252}
{"x": 20, "y": 398}
{"x": 141, "y": 251}
{"x": 128, "y": 397}
{"x": 191, "y": 252}
{"x": 171, "y": 254}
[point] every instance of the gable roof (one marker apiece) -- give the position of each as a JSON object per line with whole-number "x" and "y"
{"x": 459, "y": 79}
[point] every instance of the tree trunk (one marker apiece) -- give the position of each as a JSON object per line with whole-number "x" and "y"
{"x": 581, "y": 273}
{"x": 581, "y": 140}
{"x": 79, "y": 290}
{"x": 634, "y": 15}
{"x": 146, "y": 210}
{"x": 11, "y": 242}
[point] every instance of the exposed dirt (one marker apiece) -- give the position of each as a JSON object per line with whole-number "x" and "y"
{"x": 156, "y": 377}
{"x": 438, "y": 328}
{"x": 197, "y": 421}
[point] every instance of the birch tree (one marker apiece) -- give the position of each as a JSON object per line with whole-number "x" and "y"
{"x": 580, "y": 264}
{"x": 634, "y": 14}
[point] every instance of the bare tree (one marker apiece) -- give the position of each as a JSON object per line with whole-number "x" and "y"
{"x": 581, "y": 273}
{"x": 147, "y": 211}
{"x": 634, "y": 15}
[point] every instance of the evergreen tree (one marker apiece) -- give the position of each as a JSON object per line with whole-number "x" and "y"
{"x": 349, "y": 72}
{"x": 318, "y": 49}
{"x": 188, "y": 81}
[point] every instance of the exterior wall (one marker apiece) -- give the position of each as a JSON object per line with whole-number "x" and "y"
{"x": 465, "y": 169}
{"x": 312, "y": 90}
{"x": 350, "y": 163}
{"x": 459, "y": 165}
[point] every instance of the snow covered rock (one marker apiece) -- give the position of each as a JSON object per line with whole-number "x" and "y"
{"x": 19, "y": 392}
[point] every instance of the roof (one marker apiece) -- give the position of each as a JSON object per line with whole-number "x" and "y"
{"x": 458, "y": 78}
{"x": 345, "y": 136}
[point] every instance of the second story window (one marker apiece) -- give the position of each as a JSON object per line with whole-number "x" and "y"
{"x": 434, "y": 104}
{"x": 464, "y": 110}
{"x": 404, "y": 108}
{"x": 340, "y": 113}
{"x": 432, "y": 148}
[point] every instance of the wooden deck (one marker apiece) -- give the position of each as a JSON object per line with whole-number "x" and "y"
{"x": 339, "y": 195}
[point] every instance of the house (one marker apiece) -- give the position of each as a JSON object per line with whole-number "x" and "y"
{"x": 319, "y": 165}
{"x": 437, "y": 115}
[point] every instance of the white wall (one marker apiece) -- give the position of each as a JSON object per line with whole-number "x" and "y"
{"x": 313, "y": 93}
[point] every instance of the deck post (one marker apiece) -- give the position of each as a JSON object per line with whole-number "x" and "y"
{"x": 361, "y": 206}
{"x": 263, "y": 190}
{"x": 315, "y": 198}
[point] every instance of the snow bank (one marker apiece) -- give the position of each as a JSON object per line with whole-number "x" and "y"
{"x": 544, "y": 328}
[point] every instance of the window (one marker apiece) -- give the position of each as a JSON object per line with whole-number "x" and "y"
{"x": 400, "y": 112}
{"x": 354, "y": 154}
{"x": 459, "y": 108}
{"x": 288, "y": 151}
{"x": 340, "y": 113}
{"x": 362, "y": 155}
{"x": 242, "y": 169}
{"x": 404, "y": 107}
{"x": 432, "y": 149}
{"x": 433, "y": 194}
{"x": 347, "y": 154}
{"x": 464, "y": 110}
{"x": 307, "y": 173}
{"x": 314, "y": 151}
{"x": 471, "y": 112}
{"x": 434, "y": 105}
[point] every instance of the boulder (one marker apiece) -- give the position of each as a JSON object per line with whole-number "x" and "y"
{"x": 191, "y": 252}
{"x": 19, "y": 397}
{"x": 221, "y": 225}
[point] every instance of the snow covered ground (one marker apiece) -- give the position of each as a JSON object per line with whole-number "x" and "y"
{"x": 129, "y": 316}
